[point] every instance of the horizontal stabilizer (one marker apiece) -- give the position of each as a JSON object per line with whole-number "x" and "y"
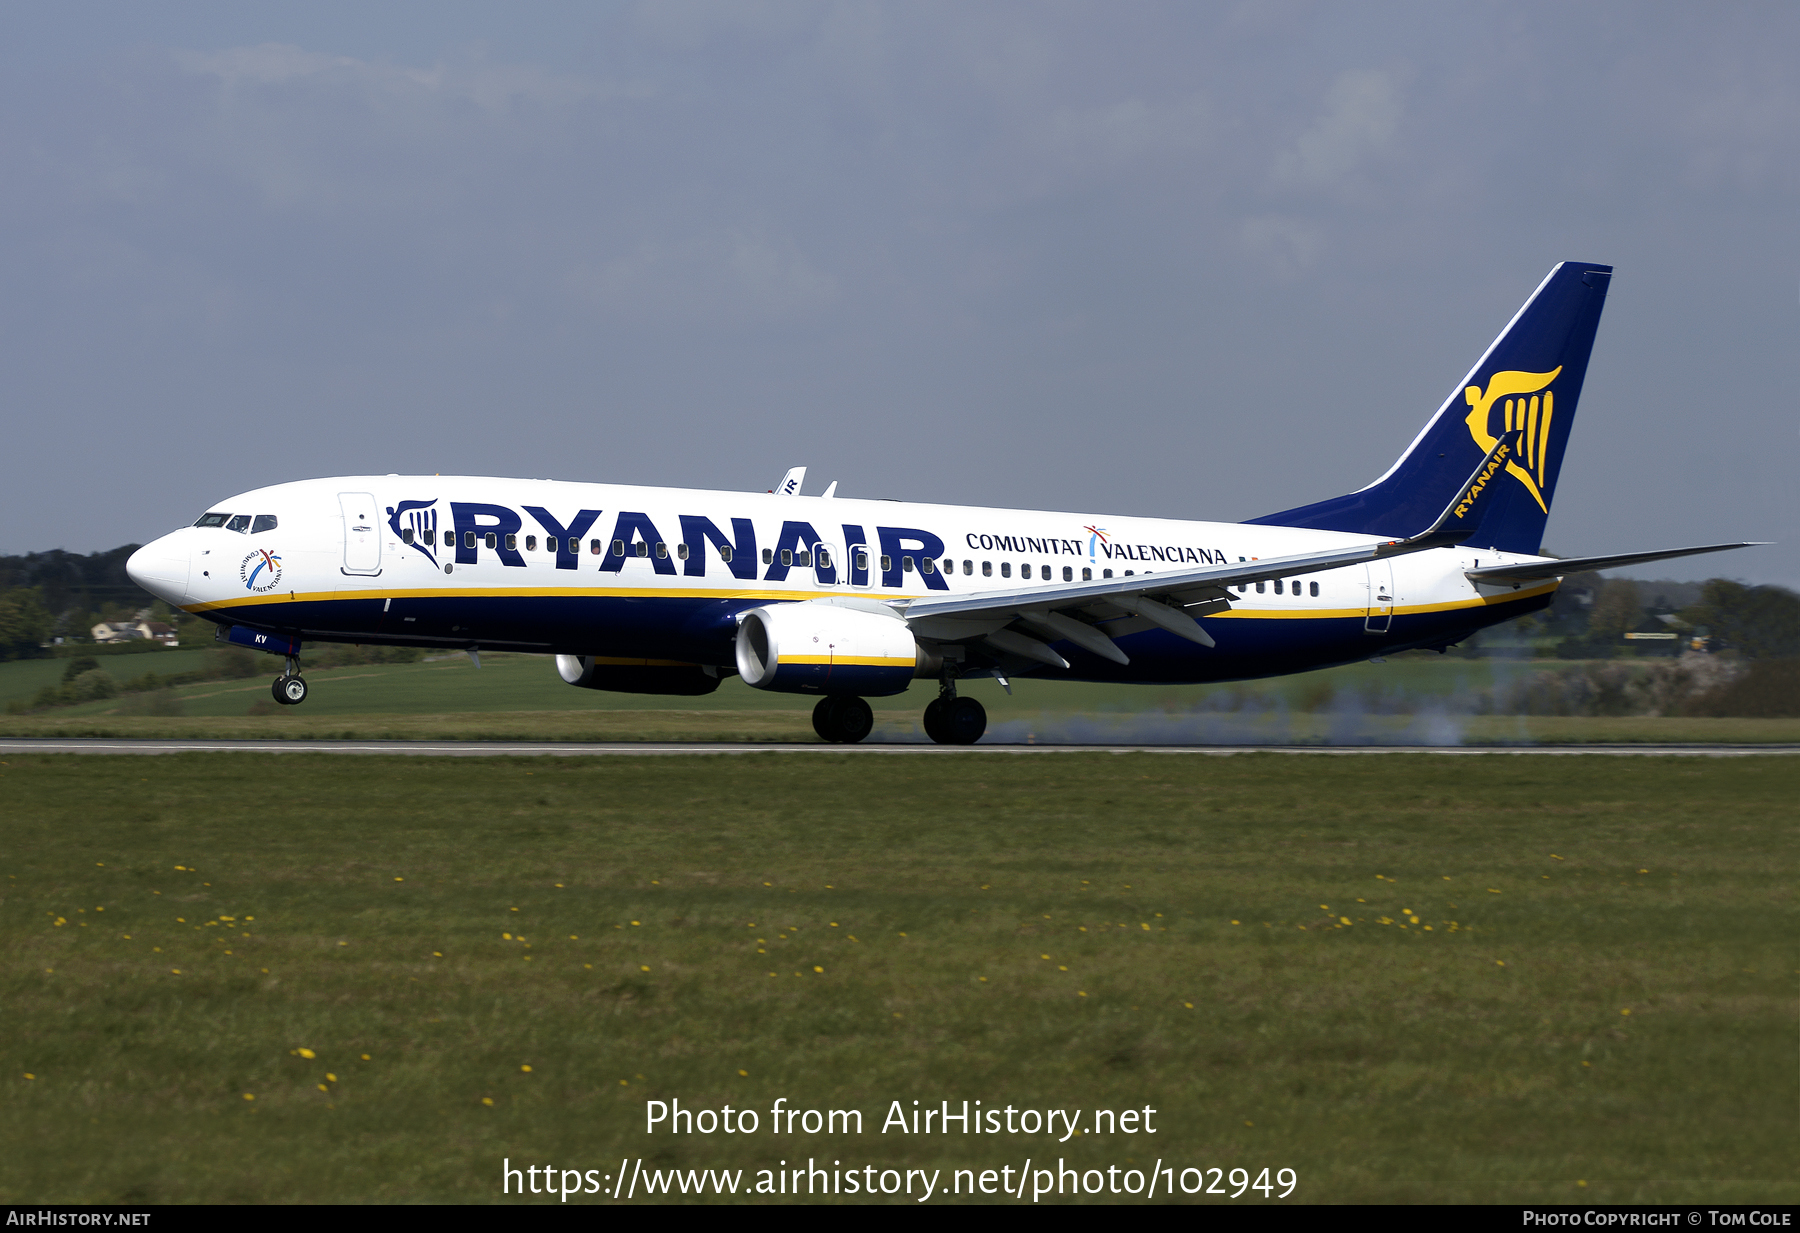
{"x": 1529, "y": 570}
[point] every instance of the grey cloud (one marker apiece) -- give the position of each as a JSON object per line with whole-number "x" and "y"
{"x": 1202, "y": 262}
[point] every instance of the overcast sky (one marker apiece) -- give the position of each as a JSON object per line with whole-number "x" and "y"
{"x": 1178, "y": 260}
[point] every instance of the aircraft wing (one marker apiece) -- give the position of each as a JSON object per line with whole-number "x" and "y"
{"x": 1530, "y": 570}
{"x": 1079, "y": 611}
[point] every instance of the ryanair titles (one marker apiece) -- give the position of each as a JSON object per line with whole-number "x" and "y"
{"x": 1099, "y": 550}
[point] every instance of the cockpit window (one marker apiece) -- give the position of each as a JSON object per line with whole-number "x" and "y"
{"x": 264, "y": 522}
{"x": 239, "y": 523}
{"x": 212, "y": 520}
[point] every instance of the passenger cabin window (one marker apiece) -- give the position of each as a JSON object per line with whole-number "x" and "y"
{"x": 1068, "y": 574}
{"x": 1087, "y": 575}
{"x": 662, "y": 550}
{"x": 643, "y": 547}
{"x": 1315, "y": 589}
{"x": 468, "y": 539}
{"x": 239, "y": 523}
{"x": 1006, "y": 569}
{"x": 987, "y": 569}
{"x": 593, "y": 546}
{"x": 824, "y": 558}
{"x": 803, "y": 557}
{"x": 1024, "y": 571}
{"x": 574, "y": 545}
{"x": 787, "y": 556}
{"x": 927, "y": 565}
{"x": 968, "y": 567}
{"x": 906, "y": 565}
{"x": 768, "y": 556}
{"x": 1259, "y": 588}
{"x": 512, "y": 543}
{"x": 681, "y": 552}
{"x": 530, "y": 543}
{"x": 618, "y": 548}
{"x": 861, "y": 561}
{"x": 1106, "y": 573}
{"x": 725, "y": 553}
{"x": 450, "y": 539}
{"x": 264, "y": 522}
{"x": 212, "y": 520}
{"x": 406, "y": 535}
{"x": 887, "y": 563}
{"x": 1278, "y": 586}
{"x": 488, "y": 539}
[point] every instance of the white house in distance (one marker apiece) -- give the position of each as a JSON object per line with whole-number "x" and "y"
{"x": 129, "y": 631}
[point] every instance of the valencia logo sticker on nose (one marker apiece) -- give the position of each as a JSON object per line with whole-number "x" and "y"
{"x": 260, "y": 571}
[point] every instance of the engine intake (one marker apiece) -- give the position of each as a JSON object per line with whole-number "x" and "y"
{"x": 828, "y": 649}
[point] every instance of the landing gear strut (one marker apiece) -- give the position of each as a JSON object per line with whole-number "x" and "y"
{"x": 289, "y": 688}
{"x": 843, "y": 721}
{"x": 951, "y": 720}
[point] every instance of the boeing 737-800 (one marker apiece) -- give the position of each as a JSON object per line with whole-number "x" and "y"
{"x": 669, "y": 591}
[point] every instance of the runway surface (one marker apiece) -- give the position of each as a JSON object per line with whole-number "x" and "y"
{"x": 531, "y": 749}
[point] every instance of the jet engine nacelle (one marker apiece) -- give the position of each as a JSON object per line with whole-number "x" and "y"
{"x": 828, "y": 649}
{"x": 637, "y": 676}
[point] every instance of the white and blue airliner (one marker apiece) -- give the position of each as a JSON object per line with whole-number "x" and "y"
{"x": 670, "y": 590}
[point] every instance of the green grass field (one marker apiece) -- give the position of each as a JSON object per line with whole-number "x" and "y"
{"x": 520, "y": 697}
{"x": 1568, "y": 979}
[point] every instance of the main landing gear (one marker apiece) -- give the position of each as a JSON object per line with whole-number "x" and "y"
{"x": 951, "y": 720}
{"x": 289, "y": 688}
{"x": 843, "y": 721}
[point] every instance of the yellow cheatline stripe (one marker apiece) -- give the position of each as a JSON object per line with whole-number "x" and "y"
{"x": 610, "y": 662}
{"x": 1313, "y": 614}
{"x": 850, "y": 661}
{"x": 1480, "y": 601}
{"x": 535, "y": 593}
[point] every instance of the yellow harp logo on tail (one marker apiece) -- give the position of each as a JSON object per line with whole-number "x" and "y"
{"x": 1530, "y": 416}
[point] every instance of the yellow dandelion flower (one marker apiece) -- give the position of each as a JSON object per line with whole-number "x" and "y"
{"x": 437, "y": 954}
{"x": 1189, "y": 1005}
{"x": 487, "y": 1100}
{"x": 29, "y": 1075}
{"x": 307, "y": 1053}
{"x": 1625, "y": 1011}
{"x": 323, "y": 1088}
{"x": 330, "y": 1078}
{"x": 1081, "y": 993}
{"x": 820, "y": 969}
{"x": 643, "y": 967}
{"x": 526, "y": 1069}
{"x": 249, "y": 1096}
{"x": 365, "y": 1057}
{"x": 399, "y": 879}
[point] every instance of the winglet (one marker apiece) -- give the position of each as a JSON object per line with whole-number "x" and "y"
{"x": 1462, "y": 516}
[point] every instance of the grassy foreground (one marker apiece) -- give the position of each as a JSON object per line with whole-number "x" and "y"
{"x": 520, "y": 697}
{"x": 1554, "y": 971}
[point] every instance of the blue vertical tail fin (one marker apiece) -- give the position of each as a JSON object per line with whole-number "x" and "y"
{"x": 1529, "y": 381}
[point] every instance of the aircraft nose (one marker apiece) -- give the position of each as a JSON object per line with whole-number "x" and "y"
{"x": 161, "y": 568}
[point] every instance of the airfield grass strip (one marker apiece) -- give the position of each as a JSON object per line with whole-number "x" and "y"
{"x": 1407, "y": 978}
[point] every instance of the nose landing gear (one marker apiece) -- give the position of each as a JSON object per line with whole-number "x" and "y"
{"x": 843, "y": 721}
{"x": 289, "y": 688}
